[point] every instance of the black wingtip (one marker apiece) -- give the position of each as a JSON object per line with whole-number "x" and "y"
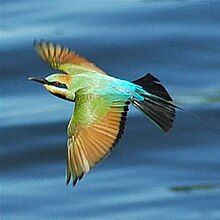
{"x": 68, "y": 180}
{"x": 75, "y": 181}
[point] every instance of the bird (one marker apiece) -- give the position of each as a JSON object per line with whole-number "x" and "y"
{"x": 101, "y": 105}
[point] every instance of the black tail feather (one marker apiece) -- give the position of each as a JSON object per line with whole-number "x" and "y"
{"x": 152, "y": 85}
{"x": 159, "y": 107}
{"x": 162, "y": 115}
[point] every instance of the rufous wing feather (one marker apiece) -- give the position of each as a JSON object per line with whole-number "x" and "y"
{"x": 89, "y": 145}
{"x": 57, "y": 56}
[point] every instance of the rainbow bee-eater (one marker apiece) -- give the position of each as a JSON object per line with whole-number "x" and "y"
{"x": 101, "y": 105}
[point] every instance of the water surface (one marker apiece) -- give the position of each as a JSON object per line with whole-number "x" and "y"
{"x": 150, "y": 175}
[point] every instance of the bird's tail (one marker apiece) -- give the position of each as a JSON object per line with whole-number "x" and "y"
{"x": 157, "y": 103}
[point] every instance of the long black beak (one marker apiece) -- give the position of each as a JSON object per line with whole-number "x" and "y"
{"x": 40, "y": 80}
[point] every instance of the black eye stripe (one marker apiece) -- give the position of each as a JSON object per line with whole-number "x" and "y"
{"x": 58, "y": 84}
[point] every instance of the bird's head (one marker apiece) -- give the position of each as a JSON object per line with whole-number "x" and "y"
{"x": 57, "y": 84}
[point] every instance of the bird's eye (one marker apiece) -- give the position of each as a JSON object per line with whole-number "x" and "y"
{"x": 56, "y": 83}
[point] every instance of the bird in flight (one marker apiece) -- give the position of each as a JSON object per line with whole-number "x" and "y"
{"x": 101, "y": 105}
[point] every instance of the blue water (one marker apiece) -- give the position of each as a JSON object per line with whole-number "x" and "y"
{"x": 150, "y": 175}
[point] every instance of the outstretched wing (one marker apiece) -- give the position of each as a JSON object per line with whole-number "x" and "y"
{"x": 93, "y": 131}
{"x": 62, "y": 58}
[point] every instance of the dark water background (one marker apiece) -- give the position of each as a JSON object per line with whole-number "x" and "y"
{"x": 150, "y": 175}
